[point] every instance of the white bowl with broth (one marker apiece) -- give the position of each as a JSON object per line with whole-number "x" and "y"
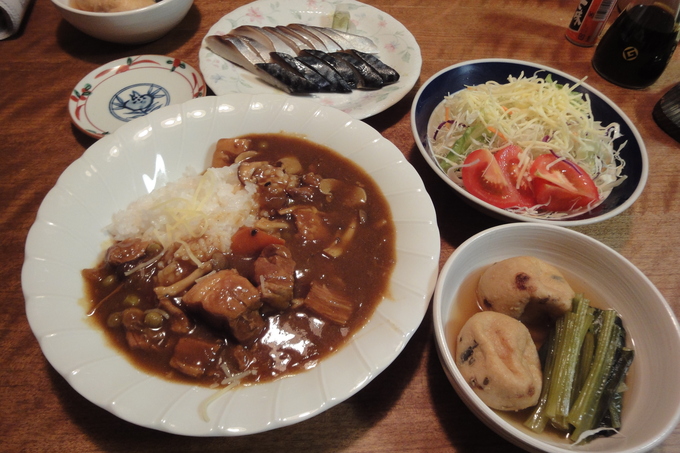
{"x": 651, "y": 404}
{"x": 136, "y": 26}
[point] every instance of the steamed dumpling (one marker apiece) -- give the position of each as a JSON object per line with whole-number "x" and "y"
{"x": 498, "y": 359}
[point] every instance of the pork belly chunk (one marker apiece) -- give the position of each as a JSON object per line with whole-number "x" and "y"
{"x": 138, "y": 335}
{"x": 328, "y": 303}
{"x": 192, "y": 356}
{"x": 524, "y": 283}
{"x": 275, "y": 272}
{"x": 126, "y": 251}
{"x": 498, "y": 359}
{"x": 178, "y": 320}
{"x": 227, "y": 297}
{"x": 311, "y": 226}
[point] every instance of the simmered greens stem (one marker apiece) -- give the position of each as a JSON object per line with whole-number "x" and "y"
{"x": 585, "y": 363}
{"x": 610, "y": 406}
{"x": 583, "y": 413}
{"x": 586, "y": 358}
{"x": 538, "y": 420}
{"x": 578, "y": 321}
{"x": 614, "y": 410}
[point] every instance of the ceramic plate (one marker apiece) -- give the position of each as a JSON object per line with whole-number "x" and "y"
{"x": 427, "y": 105}
{"x": 68, "y": 236}
{"x": 129, "y": 88}
{"x": 398, "y": 48}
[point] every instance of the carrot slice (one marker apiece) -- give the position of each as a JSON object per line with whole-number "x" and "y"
{"x": 250, "y": 241}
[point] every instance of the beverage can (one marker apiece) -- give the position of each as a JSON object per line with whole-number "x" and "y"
{"x": 588, "y": 21}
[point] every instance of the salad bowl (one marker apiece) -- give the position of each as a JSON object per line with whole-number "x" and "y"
{"x": 452, "y": 79}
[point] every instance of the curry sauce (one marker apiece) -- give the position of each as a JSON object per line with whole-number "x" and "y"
{"x": 327, "y": 227}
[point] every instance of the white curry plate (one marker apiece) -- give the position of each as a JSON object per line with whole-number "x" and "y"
{"x": 398, "y": 48}
{"x": 68, "y": 236}
{"x": 131, "y": 87}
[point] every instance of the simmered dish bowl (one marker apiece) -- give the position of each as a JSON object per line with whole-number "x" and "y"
{"x": 154, "y": 152}
{"x": 651, "y": 404}
{"x": 134, "y": 26}
{"x": 428, "y": 116}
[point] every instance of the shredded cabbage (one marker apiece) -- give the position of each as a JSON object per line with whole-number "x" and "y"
{"x": 537, "y": 114}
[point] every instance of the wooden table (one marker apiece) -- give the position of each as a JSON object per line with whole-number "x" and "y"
{"x": 410, "y": 406}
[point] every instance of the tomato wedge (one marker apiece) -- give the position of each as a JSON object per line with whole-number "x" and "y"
{"x": 561, "y": 186}
{"x": 509, "y": 160}
{"x": 484, "y": 178}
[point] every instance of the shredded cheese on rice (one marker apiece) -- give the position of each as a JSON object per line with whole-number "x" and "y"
{"x": 202, "y": 211}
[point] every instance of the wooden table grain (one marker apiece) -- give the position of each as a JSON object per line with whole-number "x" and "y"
{"x": 410, "y": 406}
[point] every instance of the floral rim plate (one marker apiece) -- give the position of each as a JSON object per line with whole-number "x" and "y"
{"x": 398, "y": 48}
{"x": 68, "y": 236}
{"x": 129, "y": 88}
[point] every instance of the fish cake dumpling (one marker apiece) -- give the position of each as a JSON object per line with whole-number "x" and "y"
{"x": 511, "y": 285}
{"x": 498, "y": 359}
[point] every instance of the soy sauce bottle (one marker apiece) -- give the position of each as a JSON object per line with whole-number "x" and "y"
{"x": 636, "y": 49}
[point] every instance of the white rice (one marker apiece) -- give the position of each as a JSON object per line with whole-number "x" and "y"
{"x": 204, "y": 210}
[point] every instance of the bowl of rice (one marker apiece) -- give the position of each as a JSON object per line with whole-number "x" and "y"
{"x": 496, "y": 103}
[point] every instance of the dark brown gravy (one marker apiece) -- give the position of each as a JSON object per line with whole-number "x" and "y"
{"x": 295, "y": 339}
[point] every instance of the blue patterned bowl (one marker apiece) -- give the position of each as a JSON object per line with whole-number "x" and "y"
{"x": 456, "y": 77}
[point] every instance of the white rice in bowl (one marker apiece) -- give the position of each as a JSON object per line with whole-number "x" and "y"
{"x": 203, "y": 210}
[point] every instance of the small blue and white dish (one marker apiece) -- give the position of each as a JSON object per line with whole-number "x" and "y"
{"x": 456, "y": 77}
{"x": 129, "y": 88}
